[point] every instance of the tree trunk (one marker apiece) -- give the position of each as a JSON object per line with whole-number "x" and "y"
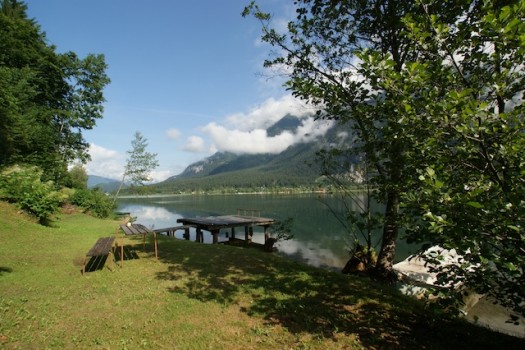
{"x": 384, "y": 267}
{"x": 119, "y": 188}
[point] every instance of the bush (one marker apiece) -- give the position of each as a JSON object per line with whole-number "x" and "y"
{"x": 280, "y": 231}
{"x": 93, "y": 201}
{"x": 23, "y": 186}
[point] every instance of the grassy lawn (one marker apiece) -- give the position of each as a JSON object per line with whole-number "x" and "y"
{"x": 198, "y": 297}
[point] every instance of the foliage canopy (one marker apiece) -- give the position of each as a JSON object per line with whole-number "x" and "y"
{"x": 47, "y": 98}
{"x": 433, "y": 91}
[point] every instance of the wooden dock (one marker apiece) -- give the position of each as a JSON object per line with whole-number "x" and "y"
{"x": 214, "y": 224}
{"x": 170, "y": 231}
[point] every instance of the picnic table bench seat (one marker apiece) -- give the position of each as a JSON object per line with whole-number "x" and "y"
{"x": 102, "y": 247}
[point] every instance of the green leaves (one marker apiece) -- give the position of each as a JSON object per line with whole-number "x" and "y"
{"x": 93, "y": 201}
{"x": 46, "y": 99}
{"x": 23, "y": 186}
{"x": 434, "y": 93}
{"x": 140, "y": 162}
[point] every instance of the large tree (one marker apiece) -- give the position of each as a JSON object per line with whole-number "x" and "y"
{"x": 47, "y": 99}
{"x": 319, "y": 52}
{"x": 433, "y": 90}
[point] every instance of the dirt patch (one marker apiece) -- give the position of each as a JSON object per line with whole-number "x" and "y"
{"x": 68, "y": 209}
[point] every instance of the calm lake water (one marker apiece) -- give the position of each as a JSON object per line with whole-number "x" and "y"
{"x": 320, "y": 239}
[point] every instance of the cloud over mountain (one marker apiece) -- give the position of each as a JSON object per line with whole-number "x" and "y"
{"x": 246, "y": 133}
{"x": 195, "y": 144}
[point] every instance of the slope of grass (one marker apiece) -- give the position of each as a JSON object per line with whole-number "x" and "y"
{"x": 197, "y": 297}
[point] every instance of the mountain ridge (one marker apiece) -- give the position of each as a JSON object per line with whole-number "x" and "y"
{"x": 294, "y": 167}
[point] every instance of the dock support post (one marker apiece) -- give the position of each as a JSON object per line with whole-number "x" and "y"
{"x": 233, "y": 234}
{"x": 266, "y": 234}
{"x": 250, "y": 234}
{"x": 199, "y": 238}
{"x": 215, "y": 234}
{"x": 246, "y": 234}
{"x": 155, "y": 243}
{"x": 187, "y": 233}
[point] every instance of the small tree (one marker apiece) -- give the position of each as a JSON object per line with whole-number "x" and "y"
{"x": 348, "y": 174}
{"x": 139, "y": 164}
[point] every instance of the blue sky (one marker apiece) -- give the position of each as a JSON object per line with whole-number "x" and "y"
{"x": 187, "y": 74}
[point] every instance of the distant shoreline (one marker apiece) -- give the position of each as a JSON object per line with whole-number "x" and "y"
{"x": 212, "y": 193}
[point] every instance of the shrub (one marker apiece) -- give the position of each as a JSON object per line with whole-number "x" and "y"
{"x": 23, "y": 186}
{"x": 280, "y": 231}
{"x": 93, "y": 201}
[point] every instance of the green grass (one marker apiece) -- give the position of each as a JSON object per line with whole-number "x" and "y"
{"x": 197, "y": 297}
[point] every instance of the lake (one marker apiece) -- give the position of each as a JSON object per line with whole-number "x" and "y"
{"x": 320, "y": 239}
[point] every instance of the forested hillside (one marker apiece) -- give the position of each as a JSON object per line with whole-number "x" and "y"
{"x": 296, "y": 167}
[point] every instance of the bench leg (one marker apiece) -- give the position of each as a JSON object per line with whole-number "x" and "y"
{"x": 112, "y": 260}
{"x": 84, "y": 266}
{"x": 122, "y": 252}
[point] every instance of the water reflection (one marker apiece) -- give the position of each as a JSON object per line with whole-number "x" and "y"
{"x": 320, "y": 239}
{"x": 153, "y": 214}
{"x": 313, "y": 254}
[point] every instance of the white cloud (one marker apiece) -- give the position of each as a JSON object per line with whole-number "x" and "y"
{"x": 246, "y": 132}
{"x": 195, "y": 144}
{"x": 105, "y": 162}
{"x": 269, "y": 112}
{"x": 110, "y": 164}
{"x": 256, "y": 141}
{"x": 173, "y": 134}
{"x": 312, "y": 253}
{"x": 160, "y": 175}
{"x": 153, "y": 213}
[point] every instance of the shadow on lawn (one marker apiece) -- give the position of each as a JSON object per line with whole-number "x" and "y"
{"x": 318, "y": 302}
{"x": 129, "y": 253}
{"x": 4, "y": 270}
{"x": 97, "y": 263}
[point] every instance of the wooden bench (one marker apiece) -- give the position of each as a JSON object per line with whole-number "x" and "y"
{"x": 102, "y": 247}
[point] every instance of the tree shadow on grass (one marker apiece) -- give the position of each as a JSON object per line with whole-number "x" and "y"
{"x": 4, "y": 270}
{"x": 129, "y": 252}
{"x": 306, "y": 300}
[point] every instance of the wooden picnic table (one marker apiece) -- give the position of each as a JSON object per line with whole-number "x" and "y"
{"x": 136, "y": 229}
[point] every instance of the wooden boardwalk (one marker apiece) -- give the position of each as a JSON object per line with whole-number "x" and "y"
{"x": 214, "y": 224}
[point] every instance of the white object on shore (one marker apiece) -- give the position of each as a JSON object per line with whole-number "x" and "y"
{"x": 478, "y": 308}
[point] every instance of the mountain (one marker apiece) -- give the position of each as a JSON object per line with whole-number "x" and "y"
{"x": 287, "y": 123}
{"x": 105, "y": 184}
{"x": 294, "y": 167}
